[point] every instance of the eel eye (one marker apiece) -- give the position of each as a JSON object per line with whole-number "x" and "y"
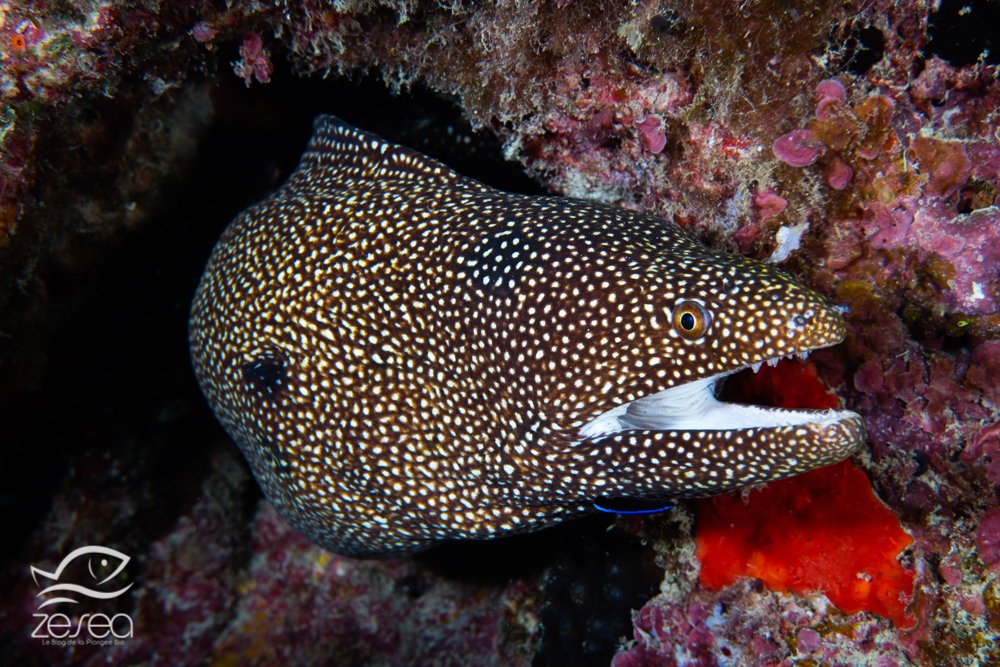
{"x": 690, "y": 319}
{"x": 267, "y": 375}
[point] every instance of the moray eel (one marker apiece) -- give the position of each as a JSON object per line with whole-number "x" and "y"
{"x": 406, "y": 356}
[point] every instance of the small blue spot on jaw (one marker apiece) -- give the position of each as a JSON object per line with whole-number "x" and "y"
{"x": 631, "y": 506}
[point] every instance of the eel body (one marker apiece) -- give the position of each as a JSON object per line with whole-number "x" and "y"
{"x": 405, "y": 355}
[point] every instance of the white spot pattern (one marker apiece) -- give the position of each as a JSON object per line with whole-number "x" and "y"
{"x": 405, "y": 355}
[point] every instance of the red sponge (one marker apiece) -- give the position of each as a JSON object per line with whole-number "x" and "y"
{"x": 824, "y": 530}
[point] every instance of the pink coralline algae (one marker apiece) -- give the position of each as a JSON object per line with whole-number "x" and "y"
{"x": 900, "y": 189}
{"x": 254, "y": 62}
{"x": 745, "y": 625}
{"x": 946, "y": 163}
{"x": 608, "y": 117}
{"x": 830, "y": 89}
{"x": 203, "y": 32}
{"x": 967, "y": 243}
{"x": 769, "y": 203}
{"x": 988, "y": 537}
{"x": 830, "y": 94}
{"x": 798, "y": 148}
{"x": 839, "y": 174}
{"x": 651, "y": 132}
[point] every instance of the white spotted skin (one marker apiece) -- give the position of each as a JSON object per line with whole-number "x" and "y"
{"x": 406, "y": 356}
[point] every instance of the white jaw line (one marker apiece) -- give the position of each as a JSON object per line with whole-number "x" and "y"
{"x": 693, "y": 407}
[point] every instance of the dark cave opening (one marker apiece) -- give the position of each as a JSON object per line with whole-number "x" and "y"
{"x": 116, "y": 411}
{"x": 962, "y": 32}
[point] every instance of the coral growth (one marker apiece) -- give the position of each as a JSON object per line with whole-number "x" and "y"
{"x": 255, "y": 61}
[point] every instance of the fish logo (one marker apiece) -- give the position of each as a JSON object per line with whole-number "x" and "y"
{"x": 99, "y": 560}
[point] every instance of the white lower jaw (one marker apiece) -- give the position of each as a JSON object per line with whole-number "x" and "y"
{"x": 693, "y": 407}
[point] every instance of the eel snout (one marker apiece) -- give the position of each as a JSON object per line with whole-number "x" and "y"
{"x": 686, "y": 442}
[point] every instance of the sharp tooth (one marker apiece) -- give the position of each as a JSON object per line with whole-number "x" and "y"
{"x": 755, "y": 367}
{"x": 772, "y": 362}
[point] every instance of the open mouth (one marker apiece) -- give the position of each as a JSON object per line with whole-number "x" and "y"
{"x": 695, "y": 406}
